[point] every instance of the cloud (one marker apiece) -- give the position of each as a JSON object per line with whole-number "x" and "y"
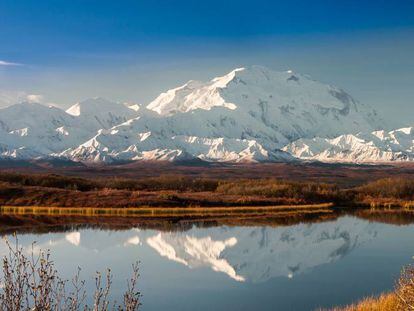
{"x": 34, "y": 98}
{"x": 4, "y": 63}
{"x": 8, "y": 98}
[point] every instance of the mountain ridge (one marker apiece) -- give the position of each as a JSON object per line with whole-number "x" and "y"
{"x": 247, "y": 115}
{"x": 375, "y": 147}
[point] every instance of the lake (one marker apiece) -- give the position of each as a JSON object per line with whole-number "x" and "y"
{"x": 297, "y": 267}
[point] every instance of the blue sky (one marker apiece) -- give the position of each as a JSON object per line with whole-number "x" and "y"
{"x": 133, "y": 50}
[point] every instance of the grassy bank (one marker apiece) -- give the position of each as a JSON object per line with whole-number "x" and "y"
{"x": 178, "y": 191}
{"x": 385, "y": 302}
{"x": 160, "y": 212}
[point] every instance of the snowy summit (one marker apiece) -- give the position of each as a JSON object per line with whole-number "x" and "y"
{"x": 251, "y": 114}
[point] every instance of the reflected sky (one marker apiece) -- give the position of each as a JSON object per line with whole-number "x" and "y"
{"x": 297, "y": 267}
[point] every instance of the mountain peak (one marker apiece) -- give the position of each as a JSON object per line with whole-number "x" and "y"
{"x": 251, "y": 74}
{"x": 248, "y": 114}
{"x": 207, "y": 95}
{"x": 279, "y": 99}
{"x": 92, "y": 105}
{"x": 26, "y": 107}
{"x": 101, "y": 113}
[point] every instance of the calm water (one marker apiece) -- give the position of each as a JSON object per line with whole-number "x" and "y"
{"x": 299, "y": 267}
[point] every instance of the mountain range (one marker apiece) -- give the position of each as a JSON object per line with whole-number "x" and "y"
{"x": 251, "y": 114}
{"x": 377, "y": 146}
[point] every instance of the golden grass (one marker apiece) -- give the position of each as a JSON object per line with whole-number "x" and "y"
{"x": 163, "y": 211}
{"x": 385, "y": 302}
{"x": 382, "y": 203}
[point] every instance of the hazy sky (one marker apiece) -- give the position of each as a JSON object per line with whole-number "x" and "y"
{"x": 131, "y": 51}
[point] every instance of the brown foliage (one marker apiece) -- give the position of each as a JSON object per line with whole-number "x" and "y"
{"x": 397, "y": 188}
{"x": 55, "y": 190}
{"x": 308, "y": 192}
{"x": 173, "y": 182}
{"x": 385, "y": 302}
{"x": 405, "y": 289}
{"x": 49, "y": 180}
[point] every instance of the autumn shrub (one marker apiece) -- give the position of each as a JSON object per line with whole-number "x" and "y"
{"x": 49, "y": 180}
{"x": 280, "y": 189}
{"x": 405, "y": 289}
{"x": 168, "y": 182}
{"x": 31, "y": 282}
{"x": 397, "y": 188}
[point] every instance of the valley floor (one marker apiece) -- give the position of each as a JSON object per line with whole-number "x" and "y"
{"x": 341, "y": 174}
{"x": 198, "y": 193}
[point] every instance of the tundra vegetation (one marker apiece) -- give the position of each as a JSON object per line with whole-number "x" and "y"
{"x": 180, "y": 191}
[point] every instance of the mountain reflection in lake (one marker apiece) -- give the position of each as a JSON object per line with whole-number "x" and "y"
{"x": 298, "y": 267}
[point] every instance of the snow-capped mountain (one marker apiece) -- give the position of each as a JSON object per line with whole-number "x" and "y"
{"x": 283, "y": 105}
{"x": 99, "y": 113}
{"x": 246, "y": 115}
{"x": 30, "y": 130}
{"x": 119, "y": 144}
{"x": 377, "y": 146}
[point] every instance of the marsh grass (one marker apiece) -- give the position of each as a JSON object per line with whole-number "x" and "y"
{"x": 385, "y": 302}
{"x": 31, "y": 282}
{"x": 164, "y": 211}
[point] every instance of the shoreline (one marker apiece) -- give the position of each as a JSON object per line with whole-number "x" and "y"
{"x": 45, "y": 221}
{"x": 161, "y": 211}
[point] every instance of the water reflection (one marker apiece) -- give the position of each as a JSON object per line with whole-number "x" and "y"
{"x": 254, "y": 254}
{"x": 195, "y": 252}
{"x": 281, "y": 264}
{"x": 260, "y": 253}
{"x": 73, "y": 238}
